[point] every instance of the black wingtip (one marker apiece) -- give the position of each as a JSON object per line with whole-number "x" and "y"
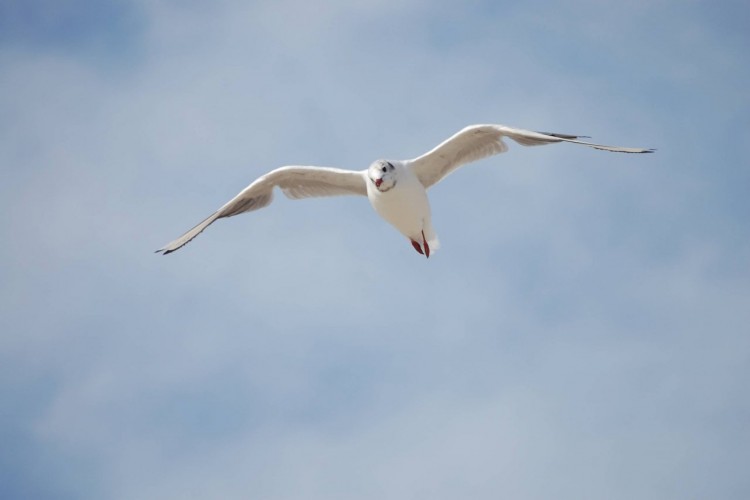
{"x": 565, "y": 136}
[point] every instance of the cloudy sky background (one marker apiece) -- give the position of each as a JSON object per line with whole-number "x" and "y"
{"x": 582, "y": 333}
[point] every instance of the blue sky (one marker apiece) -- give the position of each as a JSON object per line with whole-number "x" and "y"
{"x": 582, "y": 333}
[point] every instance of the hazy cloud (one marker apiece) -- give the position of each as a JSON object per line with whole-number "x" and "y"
{"x": 579, "y": 335}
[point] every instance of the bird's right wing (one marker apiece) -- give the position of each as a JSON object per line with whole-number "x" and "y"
{"x": 480, "y": 141}
{"x": 294, "y": 181}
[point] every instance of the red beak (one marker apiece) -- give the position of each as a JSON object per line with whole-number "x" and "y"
{"x": 378, "y": 182}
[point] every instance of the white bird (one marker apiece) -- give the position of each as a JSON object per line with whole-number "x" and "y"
{"x": 397, "y": 189}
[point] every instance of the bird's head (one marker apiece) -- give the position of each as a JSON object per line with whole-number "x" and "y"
{"x": 382, "y": 174}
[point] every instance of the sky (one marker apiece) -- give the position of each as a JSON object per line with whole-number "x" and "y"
{"x": 581, "y": 334}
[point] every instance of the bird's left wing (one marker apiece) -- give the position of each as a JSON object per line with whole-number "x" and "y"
{"x": 479, "y": 141}
{"x": 294, "y": 181}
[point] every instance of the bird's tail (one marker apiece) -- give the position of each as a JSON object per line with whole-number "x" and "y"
{"x": 431, "y": 236}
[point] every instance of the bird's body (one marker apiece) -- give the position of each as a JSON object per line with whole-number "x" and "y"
{"x": 397, "y": 190}
{"x": 406, "y": 207}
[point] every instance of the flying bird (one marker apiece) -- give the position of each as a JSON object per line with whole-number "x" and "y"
{"x": 397, "y": 189}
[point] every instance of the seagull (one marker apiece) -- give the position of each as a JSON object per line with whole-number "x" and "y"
{"x": 397, "y": 189}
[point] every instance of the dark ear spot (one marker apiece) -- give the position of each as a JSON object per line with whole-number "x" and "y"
{"x": 390, "y": 166}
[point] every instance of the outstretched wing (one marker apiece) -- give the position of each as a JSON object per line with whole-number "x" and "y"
{"x": 295, "y": 182}
{"x": 479, "y": 141}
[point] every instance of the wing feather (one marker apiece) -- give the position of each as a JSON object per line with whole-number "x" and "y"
{"x": 295, "y": 182}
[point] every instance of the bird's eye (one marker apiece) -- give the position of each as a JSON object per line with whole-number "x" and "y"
{"x": 383, "y": 169}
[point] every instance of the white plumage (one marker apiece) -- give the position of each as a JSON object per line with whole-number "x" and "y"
{"x": 397, "y": 190}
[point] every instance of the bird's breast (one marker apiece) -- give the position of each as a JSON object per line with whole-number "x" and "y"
{"x": 405, "y": 206}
